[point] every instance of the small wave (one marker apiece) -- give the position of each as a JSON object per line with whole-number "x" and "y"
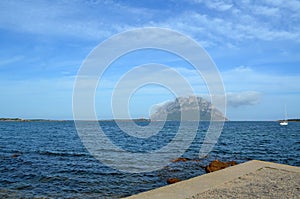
{"x": 24, "y": 187}
{"x": 49, "y": 179}
{"x": 56, "y": 153}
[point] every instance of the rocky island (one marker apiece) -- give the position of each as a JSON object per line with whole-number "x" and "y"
{"x": 190, "y": 105}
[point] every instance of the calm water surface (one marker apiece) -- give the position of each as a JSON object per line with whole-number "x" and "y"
{"x": 47, "y": 159}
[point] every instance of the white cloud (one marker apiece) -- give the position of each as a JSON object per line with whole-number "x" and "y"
{"x": 215, "y": 4}
{"x": 243, "y": 98}
{"x": 218, "y": 5}
{"x": 267, "y": 11}
{"x": 58, "y": 19}
{"x": 245, "y": 21}
{"x": 242, "y": 69}
{"x": 242, "y": 21}
{"x": 293, "y": 5}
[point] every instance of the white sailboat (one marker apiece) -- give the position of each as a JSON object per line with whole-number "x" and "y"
{"x": 284, "y": 122}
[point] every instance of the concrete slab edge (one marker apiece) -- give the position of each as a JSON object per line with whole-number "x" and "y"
{"x": 200, "y": 184}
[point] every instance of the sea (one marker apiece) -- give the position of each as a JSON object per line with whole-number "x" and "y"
{"x": 47, "y": 159}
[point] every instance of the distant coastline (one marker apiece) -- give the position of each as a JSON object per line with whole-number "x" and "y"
{"x": 50, "y": 120}
{"x": 103, "y": 120}
{"x": 290, "y": 120}
{"x": 29, "y": 120}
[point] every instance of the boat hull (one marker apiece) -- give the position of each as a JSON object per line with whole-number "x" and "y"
{"x": 283, "y": 123}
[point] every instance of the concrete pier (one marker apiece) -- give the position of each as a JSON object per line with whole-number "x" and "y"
{"x": 253, "y": 179}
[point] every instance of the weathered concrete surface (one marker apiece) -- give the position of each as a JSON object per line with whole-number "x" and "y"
{"x": 253, "y": 179}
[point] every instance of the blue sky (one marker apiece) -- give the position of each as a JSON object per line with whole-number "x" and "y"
{"x": 255, "y": 45}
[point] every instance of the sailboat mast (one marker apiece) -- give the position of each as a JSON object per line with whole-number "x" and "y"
{"x": 285, "y": 113}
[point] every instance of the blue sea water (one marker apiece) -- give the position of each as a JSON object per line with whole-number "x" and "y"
{"x": 48, "y": 159}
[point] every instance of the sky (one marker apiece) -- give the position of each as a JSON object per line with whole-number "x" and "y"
{"x": 254, "y": 44}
